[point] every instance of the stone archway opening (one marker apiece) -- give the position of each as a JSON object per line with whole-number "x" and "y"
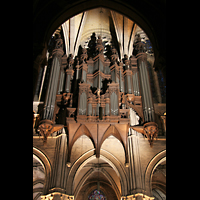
{"x": 38, "y": 178}
{"x": 97, "y": 174}
{"x": 159, "y": 181}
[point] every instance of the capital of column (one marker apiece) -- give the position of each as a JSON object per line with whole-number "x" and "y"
{"x": 57, "y": 196}
{"x": 137, "y": 196}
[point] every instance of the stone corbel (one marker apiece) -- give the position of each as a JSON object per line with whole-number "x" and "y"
{"x": 47, "y": 127}
{"x": 149, "y": 129}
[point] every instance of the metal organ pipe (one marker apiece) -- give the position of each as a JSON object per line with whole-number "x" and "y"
{"x": 53, "y": 84}
{"x": 54, "y": 91}
{"x": 143, "y": 92}
{"x": 151, "y": 111}
{"x": 49, "y": 89}
{"x": 146, "y": 91}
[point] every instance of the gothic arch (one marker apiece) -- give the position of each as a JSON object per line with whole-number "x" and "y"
{"x": 74, "y": 168}
{"x": 82, "y": 130}
{"x": 154, "y": 162}
{"x": 119, "y": 169}
{"x": 111, "y": 130}
{"x": 90, "y": 189}
{"x": 88, "y": 174}
{"x": 158, "y": 185}
{"x": 87, "y": 157}
{"x": 47, "y": 165}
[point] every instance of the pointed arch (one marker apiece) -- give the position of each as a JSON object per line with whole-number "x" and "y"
{"x": 47, "y": 165}
{"x": 87, "y": 157}
{"x": 154, "y": 162}
{"x": 82, "y": 130}
{"x": 111, "y": 130}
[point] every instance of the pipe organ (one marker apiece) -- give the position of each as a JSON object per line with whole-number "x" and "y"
{"x": 97, "y": 89}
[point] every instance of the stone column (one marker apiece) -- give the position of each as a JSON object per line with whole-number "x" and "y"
{"x": 136, "y": 177}
{"x": 58, "y": 181}
{"x": 135, "y": 172}
{"x": 59, "y": 166}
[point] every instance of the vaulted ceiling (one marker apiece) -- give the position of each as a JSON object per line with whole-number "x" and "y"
{"x": 49, "y": 15}
{"x": 114, "y": 28}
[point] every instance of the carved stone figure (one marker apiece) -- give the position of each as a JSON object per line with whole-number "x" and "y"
{"x": 84, "y": 55}
{"x": 92, "y": 45}
{"x": 126, "y": 61}
{"x": 114, "y": 56}
{"x": 59, "y": 43}
{"x": 139, "y": 46}
{"x": 71, "y": 61}
{"x": 99, "y": 45}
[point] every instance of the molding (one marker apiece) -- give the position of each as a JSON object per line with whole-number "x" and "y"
{"x": 57, "y": 196}
{"x": 47, "y": 165}
{"x": 154, "y": 162}
{"x": 134, "y": 196}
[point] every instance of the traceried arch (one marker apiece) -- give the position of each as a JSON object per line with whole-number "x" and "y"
{"x": 94, "y": 195}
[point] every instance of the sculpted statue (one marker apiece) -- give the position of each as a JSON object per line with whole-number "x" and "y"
{"x": 114, "y": 56}
{"x": 59, "y": 42}
{"x": 126, "y": 61}
{"x": 139, "y": 46}
{"x": 84, "y": 55}
{"x": 99, "y": 45}
{"x": 71, "y": 61}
